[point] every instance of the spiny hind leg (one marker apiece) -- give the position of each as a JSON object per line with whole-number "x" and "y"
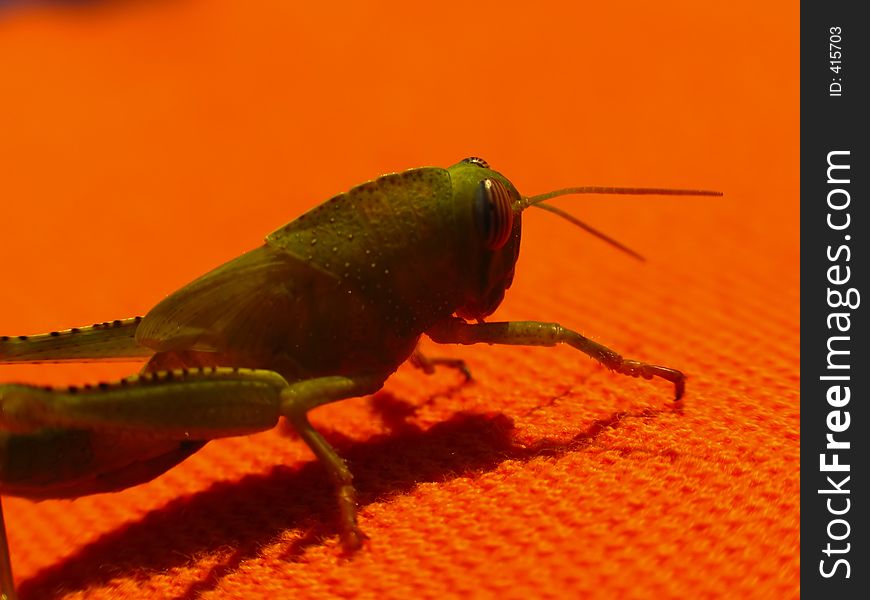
{"x": 200, "y": 404}
{"x": 427, "y": 364}
{"x": 197, "y": 404}
{"x": 112, "y": 340}
{"x": 180, "y": 405}
{"x": 301, "y": 397}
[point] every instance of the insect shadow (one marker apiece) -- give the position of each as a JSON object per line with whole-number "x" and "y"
{"x": 231, "y": 515}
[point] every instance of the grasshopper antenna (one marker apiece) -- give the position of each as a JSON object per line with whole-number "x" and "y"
{"x": 538, "y": 202}
{"x": 589, "y": 229}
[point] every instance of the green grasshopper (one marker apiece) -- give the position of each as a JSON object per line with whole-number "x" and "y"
{"x": 327, "y": 309}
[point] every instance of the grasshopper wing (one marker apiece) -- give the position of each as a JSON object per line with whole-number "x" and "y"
{"x": 245, "y": 308}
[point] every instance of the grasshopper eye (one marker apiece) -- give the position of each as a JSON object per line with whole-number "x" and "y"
{"x": 493, "y": 213}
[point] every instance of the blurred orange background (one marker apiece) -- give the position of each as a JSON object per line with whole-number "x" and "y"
{"x": 143, "y": 143}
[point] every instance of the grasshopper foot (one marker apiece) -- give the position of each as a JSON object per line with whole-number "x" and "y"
{"x": 352, "y": 540}
{"x": 352, "y": 537}
{"x": 635, "y": 368}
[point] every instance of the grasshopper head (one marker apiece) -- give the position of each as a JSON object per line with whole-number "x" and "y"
{"x": 490, "y": 208}
{"x": 489, "y": 213}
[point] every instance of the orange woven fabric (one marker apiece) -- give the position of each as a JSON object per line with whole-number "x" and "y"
{"x": 144, "y": 143}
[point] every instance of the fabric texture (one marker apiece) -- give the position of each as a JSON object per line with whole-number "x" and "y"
{"x": 160, "y": 139}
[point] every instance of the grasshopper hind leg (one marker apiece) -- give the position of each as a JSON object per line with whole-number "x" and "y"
{"x": 301, "y": 397}
{"x": 194, "y": 406}
{"x": 109, "y": 341}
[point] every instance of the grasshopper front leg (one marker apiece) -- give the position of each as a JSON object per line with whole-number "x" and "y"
{"x": 535, "y": 333}
{"x": 183, "y": 404}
